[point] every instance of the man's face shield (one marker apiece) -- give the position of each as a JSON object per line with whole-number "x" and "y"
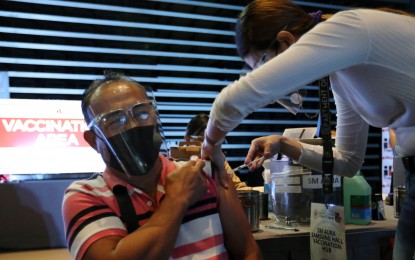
{"x": 132, "y": 134}
{"x": 118, "y": 120}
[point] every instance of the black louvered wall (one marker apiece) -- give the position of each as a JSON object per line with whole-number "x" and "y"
{"x": 184, "y": 50}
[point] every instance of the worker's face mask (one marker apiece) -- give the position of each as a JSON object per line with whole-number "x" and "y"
{"x": 135, "y": 150}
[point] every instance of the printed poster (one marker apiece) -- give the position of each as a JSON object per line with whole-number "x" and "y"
{"x": 327, "y": 232}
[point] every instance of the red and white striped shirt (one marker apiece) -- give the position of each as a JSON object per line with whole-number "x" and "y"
{"x": 91, "y": 212}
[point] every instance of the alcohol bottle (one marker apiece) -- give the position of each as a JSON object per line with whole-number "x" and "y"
{"x": 357, "y": 195}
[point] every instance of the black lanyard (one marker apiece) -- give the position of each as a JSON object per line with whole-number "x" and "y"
{"x": 327, "y": 163}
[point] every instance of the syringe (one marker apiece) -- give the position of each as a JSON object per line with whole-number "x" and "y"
{"x": 246, "y": 165}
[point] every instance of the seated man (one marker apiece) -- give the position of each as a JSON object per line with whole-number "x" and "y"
{"x": 181, "y": 212}
{"x": 195, "y": 131}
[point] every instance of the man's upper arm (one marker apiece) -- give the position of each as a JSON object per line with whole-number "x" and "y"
{"x": 86, "y": 220}
{"x": 237, "y": 231}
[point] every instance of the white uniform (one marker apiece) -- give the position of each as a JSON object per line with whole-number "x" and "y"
{"x": 370, "y": 57}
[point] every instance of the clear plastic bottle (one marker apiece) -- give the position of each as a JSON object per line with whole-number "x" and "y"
{"x": 357, "y": 200}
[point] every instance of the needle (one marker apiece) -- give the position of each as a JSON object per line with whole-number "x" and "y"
{"x": 246, "y": 165}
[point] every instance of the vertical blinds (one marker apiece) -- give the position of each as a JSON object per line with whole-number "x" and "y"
{"x": 184, "y": 50}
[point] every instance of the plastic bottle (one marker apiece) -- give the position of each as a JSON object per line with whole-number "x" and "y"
{"x": 357, "y": 200}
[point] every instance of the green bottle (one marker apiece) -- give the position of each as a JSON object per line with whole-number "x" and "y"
{"x": 357, "y": 195}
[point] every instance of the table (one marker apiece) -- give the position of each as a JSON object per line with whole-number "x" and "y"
{"x": 362, "y": 242}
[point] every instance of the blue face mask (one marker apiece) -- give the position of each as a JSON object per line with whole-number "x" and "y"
{"x": 135, "y": 151}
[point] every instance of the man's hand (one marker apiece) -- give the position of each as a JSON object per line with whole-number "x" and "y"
{"x": 188, "y": 183}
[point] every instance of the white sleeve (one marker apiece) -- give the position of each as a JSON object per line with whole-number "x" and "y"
{"x": 338, "y": 43}
{"x": 350, "y": 147}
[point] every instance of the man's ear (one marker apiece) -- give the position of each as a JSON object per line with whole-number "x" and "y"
{"x": 90, "y": 138}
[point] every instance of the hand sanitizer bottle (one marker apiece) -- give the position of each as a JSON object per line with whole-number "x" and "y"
{"x": 357, "y": 195}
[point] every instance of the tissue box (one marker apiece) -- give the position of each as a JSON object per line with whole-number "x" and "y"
{"x": 185, "y": 150}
